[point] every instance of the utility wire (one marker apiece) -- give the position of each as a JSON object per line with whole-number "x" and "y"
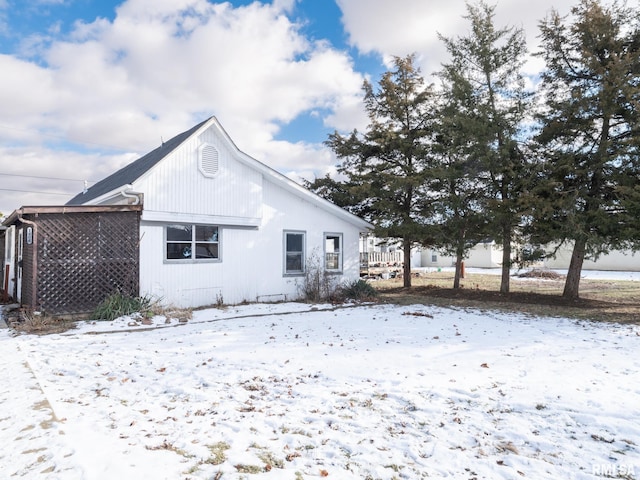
{"x": 34, "y": 191}
{"x": 46, "y": 178}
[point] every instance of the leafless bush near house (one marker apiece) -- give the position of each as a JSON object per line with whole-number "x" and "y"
{"x": 317, "y": 285}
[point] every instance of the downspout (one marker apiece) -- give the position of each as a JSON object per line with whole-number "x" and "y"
{"x": 34, "y": 266}
{"x": 126, "y": 192}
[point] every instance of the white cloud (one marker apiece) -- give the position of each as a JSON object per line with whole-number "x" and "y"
{"x": 62, "y": 174}
{"x": 161, "y": 66}
{"x": 157, "y": 69}
{"x": 406, "y": 26}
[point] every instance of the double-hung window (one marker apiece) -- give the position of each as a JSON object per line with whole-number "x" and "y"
{"x": 333, "y": 252}
{"x": 192, "y": 243}
{"x": 294, "y": 246}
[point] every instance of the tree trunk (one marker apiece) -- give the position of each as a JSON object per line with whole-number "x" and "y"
{"x": 572, "y": 283}
{"x": 506, "y": 260}
{"x": 456, "y": 278}
{"x": 406, "y": 246}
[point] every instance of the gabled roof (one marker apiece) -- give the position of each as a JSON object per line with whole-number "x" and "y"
{"x": 138, "y": 168}
{"x": 134, "y": 170}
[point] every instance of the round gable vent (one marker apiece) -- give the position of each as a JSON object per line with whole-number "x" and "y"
{"x": 209, "y": 160}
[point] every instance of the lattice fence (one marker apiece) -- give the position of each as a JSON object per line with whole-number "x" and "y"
{"x": 83, "y": 258}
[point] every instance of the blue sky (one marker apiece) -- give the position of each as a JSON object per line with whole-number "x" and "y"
{"x": 88, "y": 86}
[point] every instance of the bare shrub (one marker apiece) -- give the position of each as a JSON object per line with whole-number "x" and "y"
{"x": 317, "y": 285}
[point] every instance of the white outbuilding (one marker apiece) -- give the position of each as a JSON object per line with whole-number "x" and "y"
{"x": 218, "y": 226}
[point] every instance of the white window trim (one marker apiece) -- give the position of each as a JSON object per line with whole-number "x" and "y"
{"x": 340, "y": 268}
{"x": 193, "y": 259}
{"x": 284, "y": 253}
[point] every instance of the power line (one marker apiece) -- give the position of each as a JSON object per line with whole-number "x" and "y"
{"x": 34, "y": 191}
{"x": 46, "y": 178}
{"x": 64, "y": 138}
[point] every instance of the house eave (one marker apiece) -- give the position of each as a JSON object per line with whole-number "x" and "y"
{"x": 222, "y": 220}
{"x": 36, "y": 210}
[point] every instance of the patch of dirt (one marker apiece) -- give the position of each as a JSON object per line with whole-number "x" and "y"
{"x": 518, "y": 301}
{"x": 511, "y": 297}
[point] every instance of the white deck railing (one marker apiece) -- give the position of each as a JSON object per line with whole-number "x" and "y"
{"x": 381, "y": 259}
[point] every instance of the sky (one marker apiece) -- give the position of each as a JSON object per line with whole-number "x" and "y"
{"x": 299, "y": 391}
{"x": 87, "y": 87}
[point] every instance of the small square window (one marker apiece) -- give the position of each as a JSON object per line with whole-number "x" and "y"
{"x": 333, "y": 252}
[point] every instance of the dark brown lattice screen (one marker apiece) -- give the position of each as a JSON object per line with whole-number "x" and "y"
{"x": 83, "y": 258}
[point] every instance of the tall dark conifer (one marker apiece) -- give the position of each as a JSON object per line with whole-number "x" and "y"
{"x": 590, "y": 133}
{"x": 458, "y": 200}
{"x": 387, "y": 165}
{"x": 483, "y": 80}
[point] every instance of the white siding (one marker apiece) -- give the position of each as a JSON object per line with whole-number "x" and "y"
{"x": 251, "y": 252}
{"x": 616, "y": 260}
{"x": 251, "y": 266}
{"x": 9, "y": 259}
{"x": 482, "y": 255}
{"x": 177, "y": 186}
{"x": 427, "y": 259}
{"x": 485, "y": 255}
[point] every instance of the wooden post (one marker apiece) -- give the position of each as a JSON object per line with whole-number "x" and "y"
{"x": 462, "y": 269}
{"x": 5, "y": 292}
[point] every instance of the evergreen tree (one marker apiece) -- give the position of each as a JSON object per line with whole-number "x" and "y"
{"x": 458, "y": 199}
{"x": 484, "y": 83}
{"x": 387, "y": 166}
{"x": 590, "y": 133}
{"x": 348, "y": 194}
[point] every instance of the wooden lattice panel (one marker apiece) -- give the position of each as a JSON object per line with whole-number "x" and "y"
{"x": 85, "y": 257}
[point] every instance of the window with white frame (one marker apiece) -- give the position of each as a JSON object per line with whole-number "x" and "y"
{"x": 294, "y": 250}
{"x": 333, "y": 252}
{"x": 192, "y": 242}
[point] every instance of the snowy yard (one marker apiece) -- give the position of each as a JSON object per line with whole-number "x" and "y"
{"x": 370, "y": 392}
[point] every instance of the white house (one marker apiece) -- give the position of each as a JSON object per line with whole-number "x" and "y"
{"x": 217, "y": 226}
{"x": 483, "y": 255}
{"x": 615, "y": 260}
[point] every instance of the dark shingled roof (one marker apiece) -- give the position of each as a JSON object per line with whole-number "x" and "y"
{"x": 134, "y": 170}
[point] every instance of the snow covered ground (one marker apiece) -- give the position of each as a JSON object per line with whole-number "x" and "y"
{"x": 285, "y": 392}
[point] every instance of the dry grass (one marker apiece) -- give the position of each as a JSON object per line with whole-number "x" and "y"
{"x": 28, "y": 321}
{"x": 600, "y": 300}
{"x": 172, "y": 312}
